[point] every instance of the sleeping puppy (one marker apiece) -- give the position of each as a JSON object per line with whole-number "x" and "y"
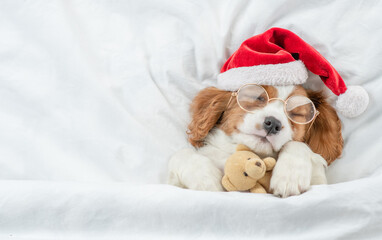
{"x": 260, "y": 102}
{"x": 297, "y": 126}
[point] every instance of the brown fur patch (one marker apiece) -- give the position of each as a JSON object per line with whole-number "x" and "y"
{"x": 299, "y": 90}
{"x": 206, "y": 109}
{"x": 325, "y": 136}
{"x": 231, "y": 118}
{"x": 272, "y": 91}
{"x": 299, "y": 130}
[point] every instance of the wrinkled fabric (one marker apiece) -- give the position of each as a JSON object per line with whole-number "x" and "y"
{"x": 94, "y": 100}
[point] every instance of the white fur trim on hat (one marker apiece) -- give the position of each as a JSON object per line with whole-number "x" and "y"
{"x": 282, "y": 74}
{"x": 353, "y": 102}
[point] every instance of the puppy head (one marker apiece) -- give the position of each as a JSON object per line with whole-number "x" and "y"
{"x": 210, "y": 109}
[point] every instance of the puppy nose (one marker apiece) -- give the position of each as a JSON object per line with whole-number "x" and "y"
{"x": 272, "y": 125}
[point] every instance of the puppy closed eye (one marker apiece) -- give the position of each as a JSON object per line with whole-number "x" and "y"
{"x": 260, "y": 98}
{"x": 297, "y": 115}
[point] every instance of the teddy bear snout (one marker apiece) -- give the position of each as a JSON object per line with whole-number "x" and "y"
{"x": 255, "y": 168}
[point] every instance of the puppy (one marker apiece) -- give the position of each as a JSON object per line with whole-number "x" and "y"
{"x": 219, "y": 123}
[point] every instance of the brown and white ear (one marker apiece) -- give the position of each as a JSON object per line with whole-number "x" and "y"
{"x": 242, "y": 147}
{"x": 325, "y": 137}
{"x": 206, "y": 109}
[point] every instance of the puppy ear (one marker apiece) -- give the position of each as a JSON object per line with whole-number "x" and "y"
{"x": 206, "y": 109}
{"x": 325, "y": 137}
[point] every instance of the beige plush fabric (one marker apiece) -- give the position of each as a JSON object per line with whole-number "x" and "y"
{"x": 245, "y": 171}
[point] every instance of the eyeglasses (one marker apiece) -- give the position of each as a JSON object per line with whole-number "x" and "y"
{"x": 299, "y": 109}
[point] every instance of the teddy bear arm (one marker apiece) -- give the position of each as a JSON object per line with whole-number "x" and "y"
{"x": 227, "y": 184}
{"x": 258, "y": 189}
{"x": 266, "y": 181}
{"x": 270, "y": 163}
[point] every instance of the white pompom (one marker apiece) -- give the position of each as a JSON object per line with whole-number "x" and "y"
{"x": 353, "y": 102}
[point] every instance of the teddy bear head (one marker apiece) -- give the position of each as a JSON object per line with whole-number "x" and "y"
{"x": 244, "y": 168}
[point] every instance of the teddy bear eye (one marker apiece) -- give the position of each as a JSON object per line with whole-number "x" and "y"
{"x": 245, "y": 174}
{"x": 249, "y": 159}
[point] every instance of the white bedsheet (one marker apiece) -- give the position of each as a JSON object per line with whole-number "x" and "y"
{"x": 94, "y": 99}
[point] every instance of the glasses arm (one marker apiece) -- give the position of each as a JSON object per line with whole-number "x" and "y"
{"x": 233, "y": 94}
{"x": 311, "y": 124}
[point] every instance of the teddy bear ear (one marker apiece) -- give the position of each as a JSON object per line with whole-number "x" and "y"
{"x": 242, "y": 147}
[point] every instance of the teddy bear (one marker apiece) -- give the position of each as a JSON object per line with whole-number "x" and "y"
{"x": 244, "y": 171}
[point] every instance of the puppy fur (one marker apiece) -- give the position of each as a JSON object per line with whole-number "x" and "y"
{"x": 217, "y": 127}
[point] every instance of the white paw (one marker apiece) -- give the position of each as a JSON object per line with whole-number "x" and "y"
{"x": 293, "y": 172}
{"x": 290, "y": 183}
{"x": 319, "y": 170}
{"x": 194, "y": 171}
{"x": 206, "y": 178}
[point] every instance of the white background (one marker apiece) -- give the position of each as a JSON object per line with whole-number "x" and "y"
{"x": 94, "y": 99}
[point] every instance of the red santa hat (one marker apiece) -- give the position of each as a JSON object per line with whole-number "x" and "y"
{"x": 280, "y": 57}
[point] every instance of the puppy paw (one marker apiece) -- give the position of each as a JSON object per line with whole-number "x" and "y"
{"x": 206, "y": 179}
{"x": 293, "y": 172}
{"x": 290, "y": 183}
{"x": 193, "y": 171}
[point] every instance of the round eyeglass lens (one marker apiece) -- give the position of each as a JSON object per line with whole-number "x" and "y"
{"x": 300, "y": 109}
{"x": 251, "y": 97}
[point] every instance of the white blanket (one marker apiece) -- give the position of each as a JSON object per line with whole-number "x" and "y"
{"x": 94, "y": 100}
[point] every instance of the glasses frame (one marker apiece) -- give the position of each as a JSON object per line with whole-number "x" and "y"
{"x": 236, "y": 93}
